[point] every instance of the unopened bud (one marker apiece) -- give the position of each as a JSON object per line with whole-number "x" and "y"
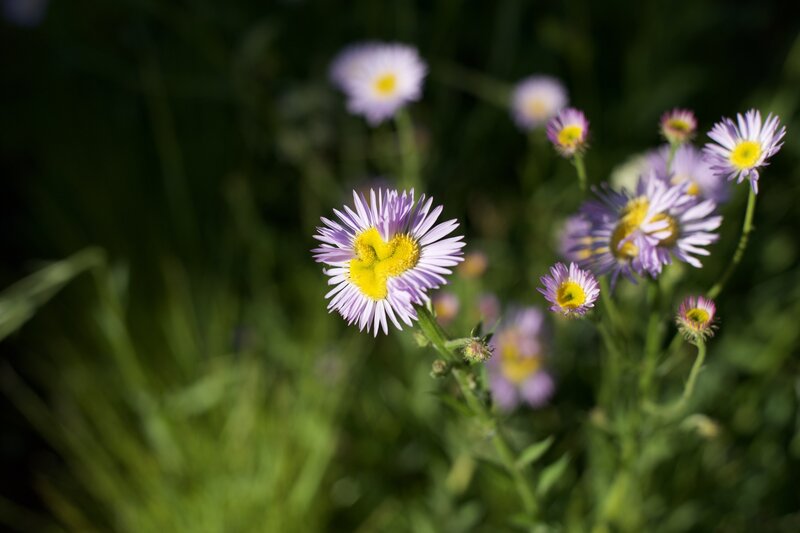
{"x": 439, "y": 369}
{"x": 477, "y": 351}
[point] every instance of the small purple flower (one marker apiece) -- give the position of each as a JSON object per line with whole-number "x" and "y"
{"x": 378, "y": 78}
{"x": 568, "y": 131}
{"x": 741, "y": 148}
{"x": 489, "y": 309}
{"x": 572, "y": 291}
{"x": 696, "y": 316}
{"x": 678, "y": 125}
{"x": 383, "y": 257}
{"x": 445, "y": 305}
{"x": 536, "y": 100}
{"x": 516, "y": 371}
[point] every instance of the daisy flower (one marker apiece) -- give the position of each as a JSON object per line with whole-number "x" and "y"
{"x": 474, "y": 265}
{"x": 690, "y": 166}
{"x": 568, "y": 131}
{"x": 574, "y": 239}
{"x": 536, "y": 100}
{"x": 383, "y": 257}
{"x": 741, "y": 148}
{"x": 445, "y": 305}
{"x": 516, "y": 372}
{"x": 379, "y": 78}
{"x": 696, "y": 317}
{"x": 678, "y": 126}
{"x": 572, "y": 291}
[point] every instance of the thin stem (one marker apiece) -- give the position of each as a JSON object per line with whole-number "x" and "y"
{"x": 581, "y": 168}
{"x": 673, "y": 148}
{"x": 609, "y": 306}
{"x": 652, "y": 341}
{"x": 409, "y": 156}
{"x": 677, "y": 406}
{"x": 747, "y": 227}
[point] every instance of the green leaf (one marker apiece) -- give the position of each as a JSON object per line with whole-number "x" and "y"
{"x": 551, "y": 474}
{"x": 534, "y": 452}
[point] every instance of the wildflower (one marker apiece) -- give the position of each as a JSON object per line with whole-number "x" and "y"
{"x": 516, "y": 372}
{"x": 575, "y": 239}
{"x": 690, "y": 166}
{"x": 696, "y": 318}
{"x": 446, "y": 305}
{"x": 474, "y": 265}
{"x": 384, "y": 256}
{"x": 568, "y": 131}
{"x": 740, "y": 149}
{"x": 378, "y": 78}
{"x": 536, "y": 100}
{"x": 489, "y": 308}
{"x": 572, "y": 291}
{"x": 477, "y": 351}
{"x": 678, "y": 125}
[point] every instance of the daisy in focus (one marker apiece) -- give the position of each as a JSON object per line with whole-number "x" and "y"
{"x": 536, "y": 100}
{"x": 696, "y": 318}
{"x": 572, "y": 291}
{"x": 384, "y": 255}
{"x": 678, "y": 126}
{"x": 741, "y": 148}
{"x": 378, "y": 78}
{"x": 516, "y": 371}
{"x": 568, "y": 131}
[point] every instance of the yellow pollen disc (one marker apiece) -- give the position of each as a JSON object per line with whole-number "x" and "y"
{"x": 570, "y": 295}
{"x": 385, "y": 85}
{"x": 536, "y": 108}
{"x": 632, "y": 217}
{"x": 693, "y": 189}
{"x": 515, "y": 367}
{"x": 679, "y": 125}
{"x": 377, "y": 260}
{"x": 745, "y": 154}
{"x": 672, "y": 227}
{"x": 570, "y": 136}
{"x": 697, "y": 316}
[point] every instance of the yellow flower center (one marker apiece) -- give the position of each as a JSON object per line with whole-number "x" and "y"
{"x": 693, "y": 189}
{"x": 632, "y": 217}
{"x": 698, "y": 317}
{"x": 377, "y": 260}
{"x": 679, "y": 125}
{"x": 570, "y": 136}
{"x": 672, "y": 227}
{"x": 570, "y": 295}
{"x": 385, "y": 85}
{"x": 536, "y": 108}
{"x": 745, "y": 154}
{"x": 516, "y": 367}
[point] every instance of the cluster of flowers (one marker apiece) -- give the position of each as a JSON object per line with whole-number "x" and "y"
{"x": 386, "y": 252}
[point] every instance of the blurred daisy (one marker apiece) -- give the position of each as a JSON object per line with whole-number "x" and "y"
{"x": 575, "y": 239}
{"x": 690, "y": 166}
{"x": 568, "y": 131}
{"x": 741, "y": 148}
{"x": 383, "y": 257}
{"x": 379, "y": 78}
{"x": 445, "y": 305}
{"x": 572, "y": 291}
{"x": 536, "y": 100}
{"x": 474, "y": 265}
{"x": 515, "y": 370}
{"x": 696, "y": 317}
{"x": 678, "y": 125}
{"x": 489, "y": 309}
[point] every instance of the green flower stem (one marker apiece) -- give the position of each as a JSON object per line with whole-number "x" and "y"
{"x": 438, "y": 339}
{"x": 676, "y": 407}
{"x": 609, "y": 307}
{"x": 652, "y": 340}
{"x": 581, "y": 169}
{"x": 409, "y": 156}
{"x": 747, "y": 227}
{"x": 673, "y": 148}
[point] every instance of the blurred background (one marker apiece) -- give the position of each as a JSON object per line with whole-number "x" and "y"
{"x": 177, "y": 369}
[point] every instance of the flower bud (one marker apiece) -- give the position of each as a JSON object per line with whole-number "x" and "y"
{"x": 439, "y": 369}
{"x": 477, "y": 350}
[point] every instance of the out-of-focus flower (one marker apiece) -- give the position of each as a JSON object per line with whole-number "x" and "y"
{"x": 627, "y": 174}
{"x": 536, "y": 100}
{"x": 678, "y": 125}
{"x": 489, "y": 308}
{"x": 571, "y": 290}
{"x": 516, "y": 372}
{"x": 575, "y": 241}
{"x": 378, "y": 78}
{"x": 741, "y": 148}
{"x": 690, "y": 166}
{"x": 383, "y": 257}
{"x": 568, "y": 131}
{"x": 445, "y": 305}
{"x": 696, "y": 317}
{"x": 474, "y": 265}
{"x": 25, "y": 13}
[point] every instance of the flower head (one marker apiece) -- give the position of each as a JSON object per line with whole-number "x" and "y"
{"x": 678, "y": 125}
{"x": 572, "y": 291}
{"x": 741, "y": 148}
{"x": 696, "y": 317}
{"x": 378, "y": 78}
{"x": 536, "y": 100}
{"x": 445, "y": 305}
{"x": 383, "y": 257}
{"x": 516, "y": 372}
{"x": 690, "y": 166}
{"x": 474, "y": 265}
{"x": 574, "y": 239}
{"x": 568, "y": 131}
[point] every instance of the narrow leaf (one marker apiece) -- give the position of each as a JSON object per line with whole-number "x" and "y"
{"x": 551, "y": 474}
{"x": 534, "y": 452}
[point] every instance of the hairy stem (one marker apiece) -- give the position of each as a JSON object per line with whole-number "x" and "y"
{"x": 747, "y": 227}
